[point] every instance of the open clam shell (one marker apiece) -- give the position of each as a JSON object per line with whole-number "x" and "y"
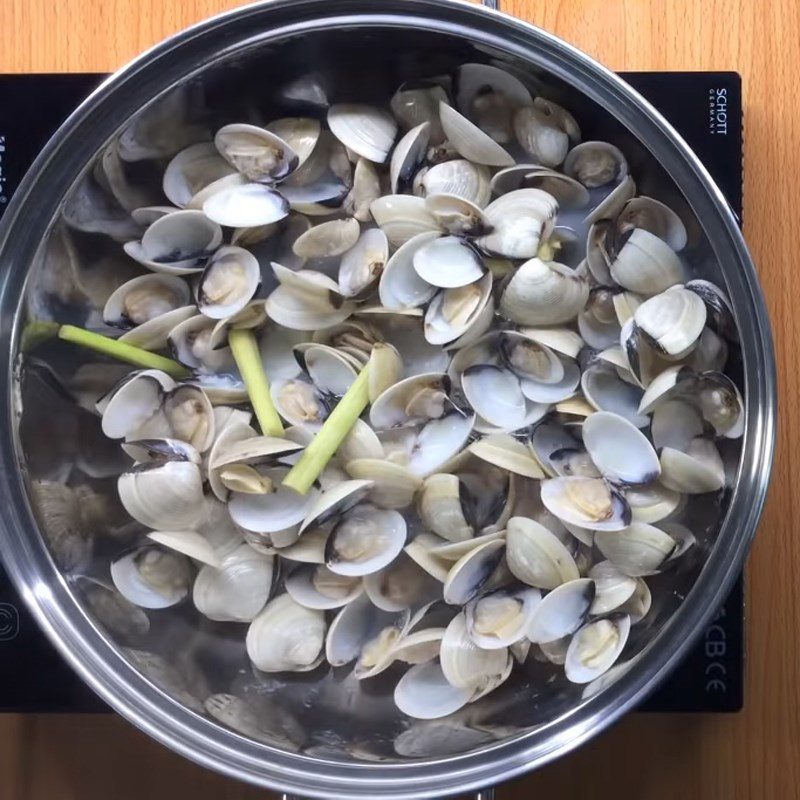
{"x": 520, "y": 221}
{"x": 501, "y": 617}
{"x": 596, "y": 164}
{"x": 472, "y": 571}
{"x": 562, "y": 611}
{"x": 646, "y": 264}
{"x": 595, "y": 647}
{"x": 246, "y": 205}
{"x": 638, "y": 550}
{"x": 362, "y": 265}
{"x": 365, "y": 540}
{"x": 366, "y": 130}
{"x": 315, "y": 586}
{"x": 228, "y": 283}
{"x": 400, "y": 585}
{"x": 470, "y": 141}
{"x": 192, "y": 169}
{"x": 259, "y": 154}
{"x": 152, "y": 577}
{"x": 671, "y": 321}
{"x": 536, "y": 556}
{"x": 425, "y": 693}
{"x": 143, "y": 299}
{"x": 589, "y": 503}
{"x": 620, "y": 450}
{"x": 402, "y": 217}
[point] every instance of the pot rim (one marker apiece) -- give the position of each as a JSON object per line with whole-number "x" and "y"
{"x": 87, "y": 649}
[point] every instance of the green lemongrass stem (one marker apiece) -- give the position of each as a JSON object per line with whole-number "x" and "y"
{"x": 121, "y": 351}
{"x": 244, "y": 347}
{"x": 322, "y": 447}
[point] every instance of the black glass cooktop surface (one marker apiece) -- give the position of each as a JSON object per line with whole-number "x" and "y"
{"x": 705, "y": 107}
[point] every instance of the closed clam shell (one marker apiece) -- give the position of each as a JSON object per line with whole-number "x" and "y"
{"x": 697, "y": 471}
{"x": 542, "y": 293}
{"x": 163, "y": 496}
{"x": 237, "y": 589}
{"x": 459, "y": 178}
{"x": 447, "y": 262}
{"x": 442, "y": 509}
{"x": 286, "y": 637}
{"x": 363, "y": 263}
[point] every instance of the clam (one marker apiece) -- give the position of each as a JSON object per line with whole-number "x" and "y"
{"x": 272, "y": 512}
{"x": 596, "y": 164}
{"x": 603, "y": 387}
{"x": 259, "y": 154}
{"x": 400, "y": 585}
{"x": 721, "y": 404}
{"x": 402, "y": 217}
{"x": 334, "y": 501}
{"x": 413, "y": 104}
{"x": 651, "y": 503}
{"x": 368, "y": 131}
{"x": 696, "y": 471}
{"x": 595, "y": 647}
{"x": 520, "y": 221}
{"x": 425, "y": 693}
{"x": 315, "y": 586}
{"x": 246, "y": 206}
{"x": 154, "y": 334}
{"x": 447, "y": 263}
{"x": 328, "y": 239}
{"x": 613, "y": 588}
{"x": 193, "y": 345}
{"x": 457, "y": 178}
{"x": 151, "y": 577}
{"x": 620, "y": 450}
{"x": 420, "y": 551}
{"x": 143, "y": 299}
{"x": 718, "y": 308}
{"x": 674, "y": 424}
{"x": 506, "y": 452}
{"x": 442, "y": 507}
{"x": 408, "y": 155}
{"x": 471, "y": 572}
{"x": 365, "y": 190}
{"x": 413, "y": 400}
{"x": 237, "y": 589}
{"x": 542, "y": 293}
{"x": 586, "y": 502}
{"x": 562, "y": 611}
{"x": 308, "y": 548}
{"x": 300, "y": 133}
{"x": 671, "y": 321}
{"x": 228, "y": 283}
{"x": 536, "y": 556}
{"x": 545, "y": 130}
{"x": 365, "y": 540}
{"x": 646, "y": 264}
{"x": 497, "y": 397}
{"x": 365, "y": 633}
{"x": 490, "y": 96}
{"x": 640, "y": 549}
{"x": 286, "y": 637}
{"x": 501, "y": 617}
{"x": 191, "y": 170}
{"x": 469, "y": 141}
{"x": 163, "y": 495}
{"x": 467, "y": 666}
{"x": 178, "y": 244}
{"x": 598, "y": 323}
{"x": 459, "y": 310}
{"x": 653, "y": 216}
{"x": 363, "y": 263}
{"x": 401, "y": 286}
{"x": 306, "y": 300}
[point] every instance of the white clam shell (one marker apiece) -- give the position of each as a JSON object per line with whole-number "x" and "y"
{"x": 228, "y": 283}
{"x": 286, "y": 637}
{"x": 327, "y": 239}
{"x": 469, "y": 574}
{"x": 190, "y": 543}
{"x": 366, "y": 130}
{"x": 586, "y": 502}
{"x": 191, "y": 170}
{"x": 143, "y": 299}
{"x": 697, "y": 471}
{"x": 259, "y": 154}
{"x": 459, "y": 178}
{"x": 315, "y": 586}
{"x": 447, "y": 263}
{"x": 402, "y": 217}
{"x": 493, "y": 622}
{"x": 620, "y": 450}
{"x": 401, "y": 286}
{"x": 236, "y": 590}
{"x": 425, "y": 693}
{"x": 646, "y": 264}
{"x": 638, "y": 550}
{"x": 672, "y": 320}
{"x": 536, "y": 556}
{"x": 595, "y": 647}
{"x": 521, "y": 220}
{"x": 613, "y": 587}
{"x": 470, "y": 141}
{"x": 150, "y": 577}
{"x": 246, "y": 206}
{"x": 363, "y": 263}
{"x": 562, "y": 611}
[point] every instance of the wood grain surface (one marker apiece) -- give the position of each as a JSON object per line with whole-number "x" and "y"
{"x": 755, "y": 754}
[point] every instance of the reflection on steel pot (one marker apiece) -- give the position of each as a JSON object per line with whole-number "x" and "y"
{"x": 524, "y": 410}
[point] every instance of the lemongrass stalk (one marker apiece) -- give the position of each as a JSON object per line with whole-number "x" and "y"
{"x": 121, "y": 351}
{"x": 244, "y": 347}
{"x": 322, "y": 447}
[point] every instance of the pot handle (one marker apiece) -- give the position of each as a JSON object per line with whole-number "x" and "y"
{"x": 483, "y": 794}
{"x": 496, "y": 6}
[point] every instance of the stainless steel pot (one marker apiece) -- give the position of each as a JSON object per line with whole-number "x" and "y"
{"x": 323, "y": 740}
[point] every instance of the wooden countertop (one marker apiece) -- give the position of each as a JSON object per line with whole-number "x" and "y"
{"x": 755, "y": 754}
